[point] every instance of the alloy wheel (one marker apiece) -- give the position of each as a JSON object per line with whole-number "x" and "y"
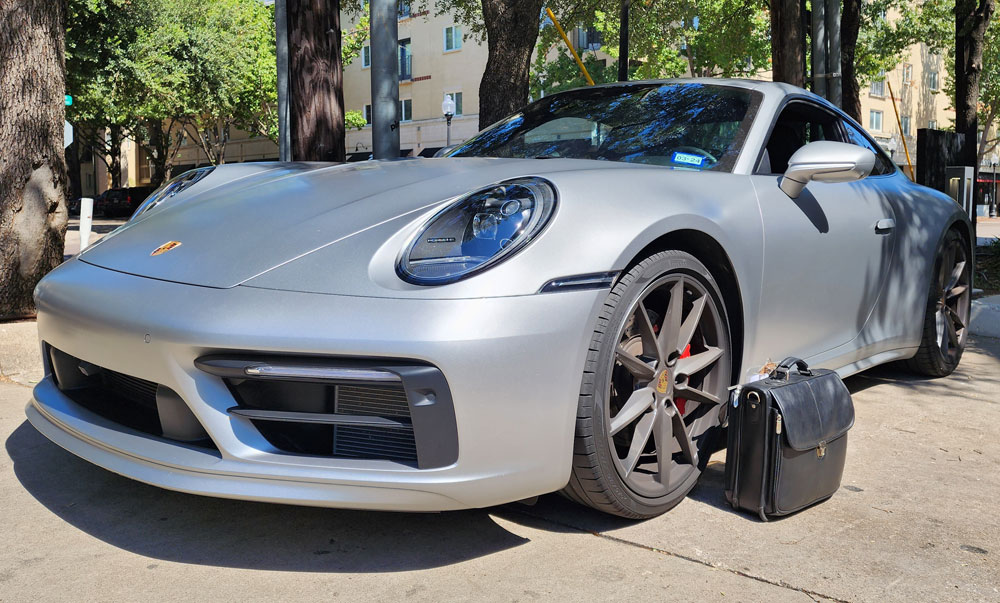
{"x": 952, "y": 309}
{"x": 669, "y": 378}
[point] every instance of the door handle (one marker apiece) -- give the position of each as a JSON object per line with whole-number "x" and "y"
{"x": 885, "y": 225}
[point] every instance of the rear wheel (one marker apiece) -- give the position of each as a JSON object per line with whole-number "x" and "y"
{"x": 946, "y": 320}
{"x": 653, "y": 389}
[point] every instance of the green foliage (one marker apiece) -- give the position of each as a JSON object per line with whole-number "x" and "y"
{"x": 354, "y": 120}
{"x": 211, "y": 65}
{"x": 550, "y": 76}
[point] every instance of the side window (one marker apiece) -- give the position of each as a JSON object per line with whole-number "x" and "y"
{"x": 798, "y": 124}
{"x": 883, "y": 165}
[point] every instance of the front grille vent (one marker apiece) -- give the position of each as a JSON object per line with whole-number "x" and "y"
{"x": 301, "y": 417}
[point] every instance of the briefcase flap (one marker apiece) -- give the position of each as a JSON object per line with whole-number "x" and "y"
{"x": 814, "y": 410}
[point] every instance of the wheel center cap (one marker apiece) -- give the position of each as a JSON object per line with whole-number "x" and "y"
{"x": 663, "y": 382}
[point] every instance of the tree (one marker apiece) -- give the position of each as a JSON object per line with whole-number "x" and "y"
{"x": 106, "y": 93}
{"x": 511, "y": 32}
{"x": 850, "y": 26}
{"x": 972, "y": 18}
{"x": 989, "y": 95}
{"x": 788, "y": 59}
{"x": 33, "y": 168}
{"x": 316, "y": 80}
{"x": 207, "y": 66}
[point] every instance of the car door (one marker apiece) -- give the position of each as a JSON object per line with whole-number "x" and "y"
{"x": 826, "y": 253}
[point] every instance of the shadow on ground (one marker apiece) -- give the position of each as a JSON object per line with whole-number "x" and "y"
{"x": 185, "y": 528}
{"x": 172, "y": 526}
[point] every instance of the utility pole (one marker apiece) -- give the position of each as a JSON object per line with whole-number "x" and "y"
{"x": 819, "y": 66}
{"x": 623, "y": 42}
{"x": 835, "y": 81}
{"x": 385, "y": 79}
{"x": 281, "y": 31}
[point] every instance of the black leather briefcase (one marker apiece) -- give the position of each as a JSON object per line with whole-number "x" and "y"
{"x": 787, "y": 440}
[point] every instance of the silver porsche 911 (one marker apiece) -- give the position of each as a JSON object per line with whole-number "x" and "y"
{"x": 565, "y": 302}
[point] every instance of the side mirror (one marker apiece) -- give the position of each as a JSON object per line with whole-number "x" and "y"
{"x": 826, "y": 161}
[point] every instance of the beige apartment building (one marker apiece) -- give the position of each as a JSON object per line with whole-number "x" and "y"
{"x": 917, "y": 86}
{"x": 436, "y": 58}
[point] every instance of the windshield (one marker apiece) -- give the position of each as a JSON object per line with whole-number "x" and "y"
{"x": 689, "y": 126}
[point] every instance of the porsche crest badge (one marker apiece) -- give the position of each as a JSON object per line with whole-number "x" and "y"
{"x": 166, "y": 247}
{"x": 663, "y": 383}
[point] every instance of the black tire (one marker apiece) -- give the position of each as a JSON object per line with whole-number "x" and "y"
{"x": 948, "y": 307}
{"x": 599, "y": 477}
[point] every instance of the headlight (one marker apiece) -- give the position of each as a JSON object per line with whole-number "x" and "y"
{"x": 479, "y": 230}
{"x": 170, "y": 188}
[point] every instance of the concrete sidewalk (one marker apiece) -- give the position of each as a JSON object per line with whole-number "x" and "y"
{"x": 914, "y": 521}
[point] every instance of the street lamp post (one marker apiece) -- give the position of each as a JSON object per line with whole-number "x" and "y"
{"x": 448, "y": 108}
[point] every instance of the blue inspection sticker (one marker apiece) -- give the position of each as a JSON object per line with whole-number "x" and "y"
{"x": 687, "y": 159}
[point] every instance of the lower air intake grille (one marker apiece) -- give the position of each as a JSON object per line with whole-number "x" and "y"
{"x": 374, "y": 442}
{"x": 306, "y": 433}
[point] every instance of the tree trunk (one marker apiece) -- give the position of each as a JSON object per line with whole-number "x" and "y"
{"x": 73, "y": 169}
{"x": 788, "y": 56}
{"x": 511, "y": 33}
{"x": 972, "y": 17}
{"x": 316, "y": 80}
{"x": 158, "y": 147}
{"x": 33, "y": 167}
{"x": 850, "y": 25}
{"x": 115, "y": 156}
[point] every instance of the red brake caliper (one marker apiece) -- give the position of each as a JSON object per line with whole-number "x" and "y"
{"x": 681, "y": 402}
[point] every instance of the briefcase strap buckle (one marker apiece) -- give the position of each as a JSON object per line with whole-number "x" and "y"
{"x": 821, "y": 450}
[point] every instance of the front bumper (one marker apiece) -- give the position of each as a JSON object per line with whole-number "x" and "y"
{"x": 513, "y": 366}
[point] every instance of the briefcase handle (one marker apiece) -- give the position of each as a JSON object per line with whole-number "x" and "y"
{"x": 784, "y": 368}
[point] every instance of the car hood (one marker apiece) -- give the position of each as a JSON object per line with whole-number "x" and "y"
{"x": 243, "y": 221}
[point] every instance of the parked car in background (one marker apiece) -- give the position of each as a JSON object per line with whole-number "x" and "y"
{"x": 120, "y": 202}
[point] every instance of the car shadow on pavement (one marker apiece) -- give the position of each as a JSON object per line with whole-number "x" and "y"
{"x": 185, "y": 528}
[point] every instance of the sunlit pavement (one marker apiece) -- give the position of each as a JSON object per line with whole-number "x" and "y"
{"x": 99, "y": 228}
{"x": 915, "y": 520}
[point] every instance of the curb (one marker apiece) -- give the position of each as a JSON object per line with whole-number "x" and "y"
{"x": 985, "y": 318}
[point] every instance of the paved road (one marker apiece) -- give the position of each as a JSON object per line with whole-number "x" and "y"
{"x": 915, "y": 521}
{"x": 987, "y": 228}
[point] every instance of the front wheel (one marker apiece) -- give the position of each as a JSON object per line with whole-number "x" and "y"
{"x": 945, "y": 328}
{"x": 654, "y": 387}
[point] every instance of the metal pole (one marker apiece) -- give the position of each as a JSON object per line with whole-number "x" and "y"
{"x": 448, "y": 139}
{"x": 834, "y": 86}
{"x": 86, "y": 221}
{"x": 819, "y": 71}
{"x": 993, "y": 207}
{"x": 902, "y": 136}
{"x": 281, "y": 47}
{"x": 569, "y": 45}
{"x": 385, "y": 79}
{"x": 623, "y": 42}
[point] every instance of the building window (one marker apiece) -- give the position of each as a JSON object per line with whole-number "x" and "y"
{"x": 905, "y": 124}
{"x": 404, "y": 9}
{"x": 452, "y": 38}
{"x": 406, "y": 109}
{"x": 875, "y": 120}
{"x": 368, "y": 114}
{"x": 366, "y": 56}
{"x": 457, "y": 97}
{"x": 588, "y": 38}
{"x": 932, "y": 80}
{"x": 878, "y": 85}
{"x": 932, "y": 124}
{"x": 405, "y": 60}
{"x": 907, "y": 74}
